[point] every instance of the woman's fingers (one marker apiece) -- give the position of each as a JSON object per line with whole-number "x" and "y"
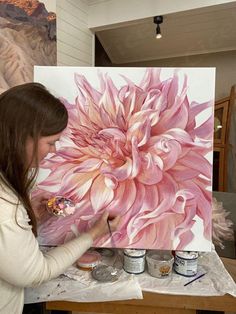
{"x": 114, "y": 223}
{"x": 101, "y": 225}
{"x": 105, "y": 216}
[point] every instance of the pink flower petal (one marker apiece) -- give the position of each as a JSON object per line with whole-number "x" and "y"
{"x": 88, "y": 165}
{"x": 120, "y": 173}
{"x": 113, "y": 133}
{"x": 124, "y": 197}
{"x": 100, "y": 194}
{"x": 151, "y": 79}
{"x": 196, "y": 162}
{"x": 111, "y": 182}
{"x": 78, "y": 185}
{"x": 185, "y": 239}
{"x": 181, "y": 173}
{"x": 150, "y": 173}
{"x": 136, "y": 159}
{"x": 172, "y": 118}
{"x": 194, "y": 109}
{"x": 204, "y": 130}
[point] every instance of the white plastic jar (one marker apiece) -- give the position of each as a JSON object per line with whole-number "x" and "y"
{"x": 159, "y": 263}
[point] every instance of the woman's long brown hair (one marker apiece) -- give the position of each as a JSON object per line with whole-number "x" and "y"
{"x": 27, "y": 110}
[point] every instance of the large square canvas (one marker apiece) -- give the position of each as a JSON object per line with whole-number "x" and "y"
{"x": 138, "y": 144}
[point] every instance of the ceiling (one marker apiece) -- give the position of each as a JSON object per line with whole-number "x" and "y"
{"x": 206, "y": 30}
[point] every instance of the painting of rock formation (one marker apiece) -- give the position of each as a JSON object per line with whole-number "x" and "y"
{"x": 27, "y": 38}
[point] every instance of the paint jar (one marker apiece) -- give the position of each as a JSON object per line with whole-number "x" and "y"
{"x": 185, "y": 263}
{"x": 159, "y": 263}
{"x": 105, "y": 252}
{"x": 134, "y": 261}
{"x": 89, "y": 260}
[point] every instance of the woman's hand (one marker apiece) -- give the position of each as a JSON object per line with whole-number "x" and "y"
{"x": 39, "y": 206}
{"x": 100, "y": 227}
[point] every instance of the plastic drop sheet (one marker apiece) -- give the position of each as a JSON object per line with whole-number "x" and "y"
{"x": 217, "y": 280}
{"x": 78, "y": 285}
{"x": 83, "y": 288}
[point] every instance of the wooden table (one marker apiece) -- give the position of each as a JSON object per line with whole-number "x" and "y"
{"x": 153, "y": 303}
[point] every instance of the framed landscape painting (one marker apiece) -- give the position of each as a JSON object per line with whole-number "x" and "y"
{"x": 27, "y": 37}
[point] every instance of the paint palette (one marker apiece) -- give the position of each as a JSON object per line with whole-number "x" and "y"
{"x": 105, "y": 273}
{"x": 60, "y": 206}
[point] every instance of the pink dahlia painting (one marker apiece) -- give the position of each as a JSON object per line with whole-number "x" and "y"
{"x": 138, "y": 143}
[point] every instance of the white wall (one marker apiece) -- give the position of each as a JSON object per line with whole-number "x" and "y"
{"x": 105, "y": 14}
{"x": 224, "y": 62}
{"x": 75, "y": 42}
{"x": 50, "y": 5}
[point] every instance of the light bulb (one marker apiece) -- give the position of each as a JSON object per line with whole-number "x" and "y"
{"x": 158, "y": 32}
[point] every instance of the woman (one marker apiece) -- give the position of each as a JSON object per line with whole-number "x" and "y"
{"x": 31, "y": 121}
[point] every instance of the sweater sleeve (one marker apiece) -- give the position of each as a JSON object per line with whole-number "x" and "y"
{"x": 21, "y": 261}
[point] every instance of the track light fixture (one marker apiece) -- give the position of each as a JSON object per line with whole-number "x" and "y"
{"x": 158, "y": 20}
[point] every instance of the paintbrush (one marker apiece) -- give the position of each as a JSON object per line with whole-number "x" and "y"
{"x": 198, "y": 277}
{"x": 111, "y": 234}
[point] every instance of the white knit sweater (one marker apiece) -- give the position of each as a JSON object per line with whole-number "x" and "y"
{"x": 22, "y": 264}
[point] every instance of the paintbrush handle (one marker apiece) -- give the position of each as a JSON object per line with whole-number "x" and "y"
{"x": 111, "y": 235}
{"x": 198, "y": 277}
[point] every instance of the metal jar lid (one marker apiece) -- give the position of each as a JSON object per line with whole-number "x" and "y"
{"x": 187, "y": 254}
{"x": 134, "y": 252}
